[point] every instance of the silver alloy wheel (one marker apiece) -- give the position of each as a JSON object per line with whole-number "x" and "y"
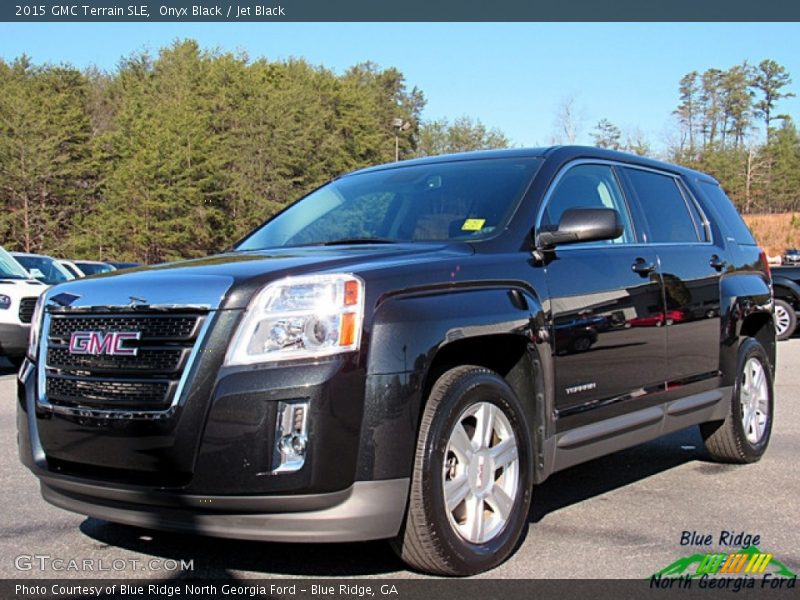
{"x": 481, "y": 473}
{"x": 782, "y": 319}
{"x": 754, "y": 397}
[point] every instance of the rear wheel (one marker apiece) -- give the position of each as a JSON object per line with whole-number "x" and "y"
{"x": 785, "y": 319}
{"x": 744, "y": 435}
{"x": 471, "y": 486}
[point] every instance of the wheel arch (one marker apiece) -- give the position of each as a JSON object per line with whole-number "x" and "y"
{"x": 417, "y": 337}
{"x": 748, "y": 312}
{"x": 786, "y": 289}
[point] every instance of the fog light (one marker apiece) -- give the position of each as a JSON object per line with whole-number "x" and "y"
{"x": 290, "y": 437}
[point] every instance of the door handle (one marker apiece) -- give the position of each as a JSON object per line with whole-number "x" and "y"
{"x": 717, "y": 263}
{"x": 642, "y": 267}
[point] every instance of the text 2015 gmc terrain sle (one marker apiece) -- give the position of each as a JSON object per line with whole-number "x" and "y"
{"x": 404, "y": 353}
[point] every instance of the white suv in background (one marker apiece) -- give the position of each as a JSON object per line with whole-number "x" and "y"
{"x": 18, "y": 295}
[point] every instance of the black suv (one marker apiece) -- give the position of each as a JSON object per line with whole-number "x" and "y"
{"x": 405, "y": 352}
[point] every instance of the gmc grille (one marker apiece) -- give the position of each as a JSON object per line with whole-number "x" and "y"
{"x": 145, "y": 382}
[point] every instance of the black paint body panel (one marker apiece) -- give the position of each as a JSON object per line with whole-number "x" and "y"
{"x": 580, "y": 316}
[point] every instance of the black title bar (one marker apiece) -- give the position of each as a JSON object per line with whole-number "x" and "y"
{"x": 398, "y": 11}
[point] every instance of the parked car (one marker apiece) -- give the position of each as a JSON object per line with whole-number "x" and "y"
{"x": 791, "y": 256}
{"x": 18, "y": 295}
{"x": 71, "y": 267}
{"x": 94, "y": 267}
{"x": 383, "y": 358}
{"x": 124, "y": 265}
{"x": 786, "y": 285}
{"x": 44, "y": 268}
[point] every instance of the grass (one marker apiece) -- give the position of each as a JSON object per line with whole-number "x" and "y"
{"x": 775, "y": 232}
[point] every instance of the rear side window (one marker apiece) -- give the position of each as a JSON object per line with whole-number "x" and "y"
{"x": 727, "y": 212}
{"x": 669, "y": 218}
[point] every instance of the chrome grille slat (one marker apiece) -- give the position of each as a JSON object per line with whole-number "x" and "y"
{"x": 153, "y": 327}
{"x": 146, "y": 382}
{"x": 110, "y": 393}
{"x": 161, "y": 360}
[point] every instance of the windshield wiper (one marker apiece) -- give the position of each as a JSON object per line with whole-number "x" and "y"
{"x": 364, "y": 240}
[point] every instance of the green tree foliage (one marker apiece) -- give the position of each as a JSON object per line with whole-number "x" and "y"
{"x": 768, "y": 81}
{"x": 688, "y": 110}
{"x": 717, "y": 117}
{"x": 463, "y": 134}
{"x": 180, "y": 154}
{"x": 45, "y": 170}
{"x": 607, "y": 135}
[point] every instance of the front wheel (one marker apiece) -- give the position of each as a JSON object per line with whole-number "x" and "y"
{"x": 744, "y": 435}
{"x": 473, "y": 473}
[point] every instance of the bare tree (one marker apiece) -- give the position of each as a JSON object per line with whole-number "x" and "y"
{"x": 755, "y": 171}
{"x": 567, "y": 124}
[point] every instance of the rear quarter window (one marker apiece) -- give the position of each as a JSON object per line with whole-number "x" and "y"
{"x": 730, "y": 220}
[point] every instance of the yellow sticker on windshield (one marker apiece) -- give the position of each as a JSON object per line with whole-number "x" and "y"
{"x": 473, "y": 225}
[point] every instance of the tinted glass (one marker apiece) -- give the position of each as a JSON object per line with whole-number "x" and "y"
{"x": 724, "y": 207}
{"x": 10, "y": 268}
{"x": 668, "y": 216}
{"x": 699, "y": 221}
{"x": 93, "y": 268}
{"x": 588, "y": 186}
{"x": 465, "y": 200}
{"x": 72, "y": 270}
{"x": 45, "y": 269}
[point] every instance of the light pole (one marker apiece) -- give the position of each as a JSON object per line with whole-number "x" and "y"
{"x": 399, "y": 125}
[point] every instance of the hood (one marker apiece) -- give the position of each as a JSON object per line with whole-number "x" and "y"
{"x": 228, "y": 281}
{"x": 21, "y": 287}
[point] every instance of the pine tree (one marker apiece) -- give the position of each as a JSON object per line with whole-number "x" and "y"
{"x": 768, "y": 81}
{"x": 607, "y": 135}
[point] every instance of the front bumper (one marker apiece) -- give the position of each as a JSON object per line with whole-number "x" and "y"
{"x": 205, "y": 468}
{"x": 368, "y": 510}
{"x": 13, "y": 339}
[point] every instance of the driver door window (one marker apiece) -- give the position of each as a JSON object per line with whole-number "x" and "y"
{"x": 588, "y": 186}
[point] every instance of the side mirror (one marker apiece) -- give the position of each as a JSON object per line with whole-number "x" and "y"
{"x": 36, "y": 273}
{"x": 582, "y": 225}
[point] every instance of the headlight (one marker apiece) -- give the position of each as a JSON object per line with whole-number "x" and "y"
{"x": 36, "y": 327}
{"x": 300, "y": 317}
{"x": 5, "y": 302}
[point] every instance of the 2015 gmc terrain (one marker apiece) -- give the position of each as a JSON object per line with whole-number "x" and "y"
{"x": 404, "y": 353}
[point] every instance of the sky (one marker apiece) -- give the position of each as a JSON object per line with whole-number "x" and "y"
{"x": 511, "y": 76}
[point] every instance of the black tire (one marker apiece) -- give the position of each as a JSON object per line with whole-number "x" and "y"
{"x": 785, "y": 320}
{"x": 727, "y": 440}
{"x": 428, "y": 541}
{"x": 581, "y": 344}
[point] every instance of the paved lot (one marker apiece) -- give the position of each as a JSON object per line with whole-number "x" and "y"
{"x": 617, "y": 517}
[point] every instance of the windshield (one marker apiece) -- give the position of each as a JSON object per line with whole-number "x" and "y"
{"x": 89, "y": 268}
{"x": 10, "y": 268}
{"x": 463, "y": 200}
{"x": 45, "y": 269}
